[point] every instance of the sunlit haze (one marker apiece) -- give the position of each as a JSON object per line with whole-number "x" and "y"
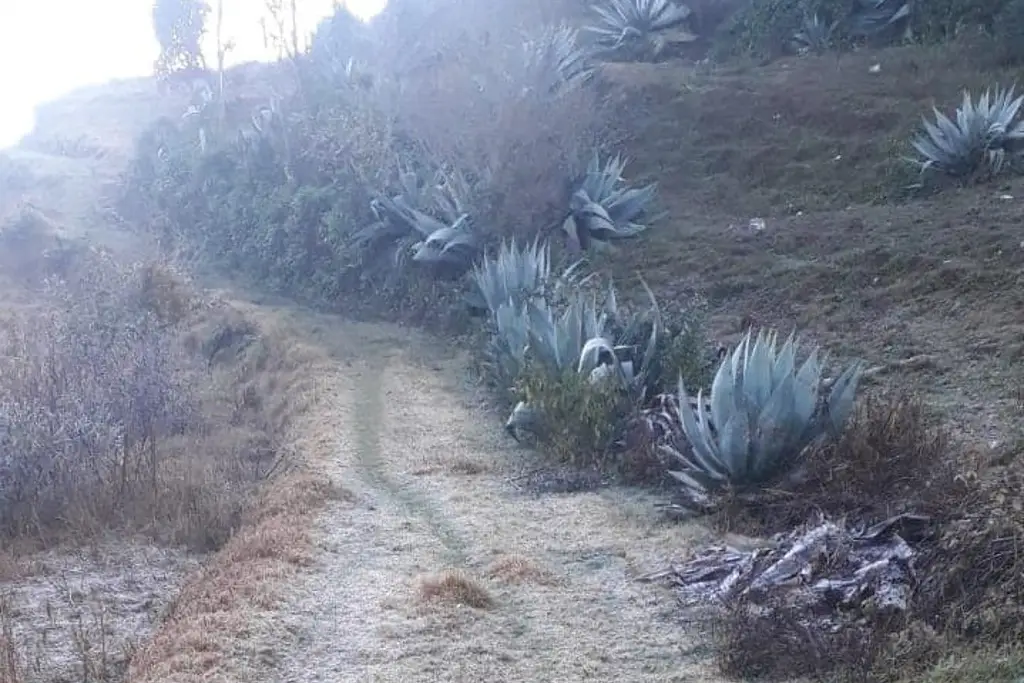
{"x": 50, "y": 47}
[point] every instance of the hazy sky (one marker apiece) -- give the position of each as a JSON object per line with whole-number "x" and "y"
{"x": 49, "y": 47}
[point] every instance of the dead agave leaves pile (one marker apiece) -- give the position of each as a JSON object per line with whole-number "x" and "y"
{"x": 825, "y": 569}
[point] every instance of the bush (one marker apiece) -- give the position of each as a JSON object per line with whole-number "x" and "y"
{"x": 578, "y": 422}
{"x": 768, "y": 28}
{"x": 313, "y": 196}
{"x": 102, "y": 413}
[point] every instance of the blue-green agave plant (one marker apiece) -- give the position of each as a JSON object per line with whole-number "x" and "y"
{"x": 518, "y": 274}
{"x": 579, "y": 340}
{"x": 638, "y": 27}
{"x": 604, "y": 209}
{"x": 554, "y": 57}
{"x": 762, "y": 414}
{"x": 986, "y": 132}
{"x": 427, "y": 221}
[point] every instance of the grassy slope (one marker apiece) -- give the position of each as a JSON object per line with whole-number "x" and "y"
{"x": 813, "y": 146}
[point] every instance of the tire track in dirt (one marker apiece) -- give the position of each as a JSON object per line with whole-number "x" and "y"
{"x": 369, "y": 412}
{"x": 429, "y": 473}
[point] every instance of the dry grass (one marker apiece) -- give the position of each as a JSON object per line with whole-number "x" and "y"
{"x": 518, "y": 569}
{"x": 455, "y": 587}
{"x": 890, "y": 459}
{"x": 219, "y": 606}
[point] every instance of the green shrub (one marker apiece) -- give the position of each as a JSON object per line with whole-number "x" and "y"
{"x": 768, "y": 28}
{"x": 576, "y": 421}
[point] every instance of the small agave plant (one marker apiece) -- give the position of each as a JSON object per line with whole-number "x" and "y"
{"x": 604, "y": 209}
{"x": 815, "y": 36}
{"x": 762, "y": 414}
{"x": 871, "y": 18}
{"x": 556, "y": 59}
{"x": 986, "y": 132}
{"x": 403, "y": 227}
{"x": 517, "y": 275}
{"x": 580, "y": 340}
{"x": 639, "y": 28}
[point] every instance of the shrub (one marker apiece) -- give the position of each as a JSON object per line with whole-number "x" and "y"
{"x": 986, "y": 135}
{"x": 577, "y": 421}
{"x": 98, "y": 396}
{"x": 887, "y": 461}
{"x": 768, "y": 29}
{"x": 358, "y": 189}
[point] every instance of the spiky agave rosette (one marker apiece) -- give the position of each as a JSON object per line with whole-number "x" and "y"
{"x": 763, "y": 413}
{"x": 639, "y": 28}
{"x": 986, "y": 132}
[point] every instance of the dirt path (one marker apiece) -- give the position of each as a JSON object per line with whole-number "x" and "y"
{"x": 434, "y": 507}
{"x": 432, "y": 498}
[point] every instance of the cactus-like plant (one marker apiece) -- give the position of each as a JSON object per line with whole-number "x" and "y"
{"x": 815, "y": 35}
{"x": 517, "y": 275}
{"x": 870, "y": 18}
{"x": 604, "y": 209}
{"x": 556, "y": 60}
{"x": 638, "y": 27}
{"x": 986, "y": 132}
{"x": 404, "y": 227}
{"x": 763, "y": 412}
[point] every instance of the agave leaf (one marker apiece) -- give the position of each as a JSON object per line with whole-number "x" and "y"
{"x": 723, "y": 394}
{"x": 590, "y": 356}
{"x": 840, "y": 399}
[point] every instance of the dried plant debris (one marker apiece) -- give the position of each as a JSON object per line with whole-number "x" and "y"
{"x": 825, "y": 566}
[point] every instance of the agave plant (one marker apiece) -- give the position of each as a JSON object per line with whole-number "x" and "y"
{"x": 517, "y": 275}
{"x": 404, "y": 228}
{"x": 870, "y": 18}
{"x": 984, "y": 134}
{"x": 815, "y": 36}
{"x": 603, "y": 209}
{"x": 762, "y": 414}
{"x": 589, "y": 340}
{"x": 556, "y": 59}
{"x": 638, "y": 27}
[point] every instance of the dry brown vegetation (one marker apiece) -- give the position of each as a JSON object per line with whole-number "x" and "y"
{"x": 455, "y": 587}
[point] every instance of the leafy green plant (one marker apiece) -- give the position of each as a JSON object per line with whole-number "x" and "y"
{"x": 762, "y": 414}
{"x": 577, "y": 421}
{"x": 985, "y": 134}
{"x": 604, "y": 209}
{"x": 637, "y": 28}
